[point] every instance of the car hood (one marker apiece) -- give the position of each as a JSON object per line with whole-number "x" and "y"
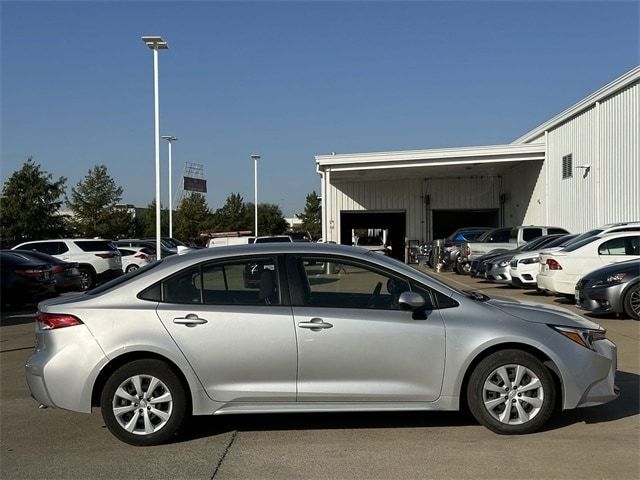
{"x": 539, "y": 313}
{"x": 632, "y": 267}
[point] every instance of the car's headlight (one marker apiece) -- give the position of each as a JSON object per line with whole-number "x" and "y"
{"x": 614, "y": 279}
{"x": 582, "y": 336}
{"x": 528, "y": 261}
{"x": 503, "y": 263}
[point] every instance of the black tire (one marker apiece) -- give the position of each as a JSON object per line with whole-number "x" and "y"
{"x": 132, "y": 268}
{"x": 169, "y": 381}
{"x": 632, "y": 296}
{"x": 514, "y": 399}
{"x": 87, "y": 277}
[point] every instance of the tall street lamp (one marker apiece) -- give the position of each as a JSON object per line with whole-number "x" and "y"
{"x": 156, "y": 43}
{"x": 255, "y": 159}
{"x": 170, "y": 139}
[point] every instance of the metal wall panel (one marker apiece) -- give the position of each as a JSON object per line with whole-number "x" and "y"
{"x": 619, "y": 166}
{"x": 606, "y": 138}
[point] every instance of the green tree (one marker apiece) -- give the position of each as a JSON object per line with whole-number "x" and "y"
{"x": 93, "y": 203}
{"x": 146, "y": 222}
{"x": 30, "y": 205}
{"x": 270, "y": 219}
{"x": 192, "y": 216}
{"x": 312, "y": 216}
{"x": 232, "y": 216}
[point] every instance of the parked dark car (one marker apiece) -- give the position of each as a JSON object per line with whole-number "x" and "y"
{"x": 480, "y": 265}
{"x": 299, "y": 236}
{"x": 24, "y": 281}
{"x": 614, "y": 288}
{"x": 66, "y": 274}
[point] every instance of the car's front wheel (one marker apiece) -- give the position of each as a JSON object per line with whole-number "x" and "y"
{"x": 632, "y": 302}
{"x": 511, "y": 392}
{"x": 143, "y": 403}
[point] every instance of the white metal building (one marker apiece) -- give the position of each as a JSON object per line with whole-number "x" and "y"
{"x": 578, "y": 170}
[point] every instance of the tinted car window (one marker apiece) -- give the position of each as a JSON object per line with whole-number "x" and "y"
{"x": 342, "y": 284}
{"x": 272, "y": 240}
{"x": 50, "y": 248}
{"x": 244, "y": 282}
{"x": 498, "y": 236}
{"x": 556, "y": 231}
{"x": 94, "y": 245}
{"x": 612, "y": 247}
{"x": 531, "y": 233}
{"x": 185, "y": 287}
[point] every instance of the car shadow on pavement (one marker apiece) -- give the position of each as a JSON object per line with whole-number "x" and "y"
{"x": 17, "y": 315}
{"x": 206, "y": 426}
{"x": 626, "y": 405}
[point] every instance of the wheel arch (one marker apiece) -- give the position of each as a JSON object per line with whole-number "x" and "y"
{"x": 89, "y": 266}
{"x": 121, "y": 360}
{"x": 536, "y": 352}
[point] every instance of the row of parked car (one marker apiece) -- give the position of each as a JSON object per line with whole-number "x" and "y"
{"x": 600, "y": 268}
{"x": 46, "y": 268}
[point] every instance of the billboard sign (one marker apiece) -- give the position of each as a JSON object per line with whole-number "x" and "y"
{"x": 195, "y": 184}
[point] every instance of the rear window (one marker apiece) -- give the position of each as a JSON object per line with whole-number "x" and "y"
{"x": 576, "y": 245}
{"x": 560, "y": 242}
{"x": 273, "y": 240}
{"x": 531, "y": 233}
{"x": 95, "y": 245}
{"x": 370, "y": 241}
{"x": 589, "y": 234}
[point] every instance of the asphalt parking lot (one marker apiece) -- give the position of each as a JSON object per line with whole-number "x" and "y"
{"x": 599, "y": 442}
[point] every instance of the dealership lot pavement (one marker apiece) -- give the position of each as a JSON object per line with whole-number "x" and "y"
{"x": 601, "y": 442}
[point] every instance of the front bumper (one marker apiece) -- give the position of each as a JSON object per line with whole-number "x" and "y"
{"x": 521, "y": 277}
{"x": 498, "y": 274}
{"x": 603, "y": 372}
{"x": 605, "y": 299}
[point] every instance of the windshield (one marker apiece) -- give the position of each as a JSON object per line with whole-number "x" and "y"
{"x": 122, "y": 279}
{"x": 465, "y": 235}
{"x": 576, "y": 245}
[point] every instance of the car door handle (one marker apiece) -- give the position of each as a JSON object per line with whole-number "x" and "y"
{"x": 315, "y": 324}
{"x": 190, "y": 320}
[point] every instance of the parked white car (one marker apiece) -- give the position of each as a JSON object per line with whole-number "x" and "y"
{"x": 524, "y": 267}
{"x": 135, "y": 257}
{"x": 560, "y": 271}
{"x": 99, "y": 260}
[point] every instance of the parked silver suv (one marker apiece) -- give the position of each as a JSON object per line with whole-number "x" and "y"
{"x": 99, "y": 260}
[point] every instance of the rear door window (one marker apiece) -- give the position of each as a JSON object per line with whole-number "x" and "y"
{"x": 499, "y": 236}
{"x": 531, "y": 233}
{"x": 615, "y": 246}
{"x": 94, "y": 245}
{"x": 50, "y": 248}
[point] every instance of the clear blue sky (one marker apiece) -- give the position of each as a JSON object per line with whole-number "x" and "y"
{"x": 290, "y": 80}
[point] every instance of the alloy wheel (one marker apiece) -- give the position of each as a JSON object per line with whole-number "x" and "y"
{"x": 142, "y": 404}
{"x": 513, "y": 394}
{"x": 634, "y": 301}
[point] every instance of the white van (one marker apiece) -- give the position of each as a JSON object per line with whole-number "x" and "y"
{"x": 226, "y": 241}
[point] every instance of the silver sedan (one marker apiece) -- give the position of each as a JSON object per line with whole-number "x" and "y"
{"x": 308, "y": 328}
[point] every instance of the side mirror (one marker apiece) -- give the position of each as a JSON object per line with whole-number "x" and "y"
{"x": 411, "y": 301}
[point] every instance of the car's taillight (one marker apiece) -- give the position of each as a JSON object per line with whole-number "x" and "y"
{"x": 58, "y": 269}
{"x": 467, "y": 250}
{"x": 50, "y": 321}
{"x": 105, "y": 255}
{"x": 141, "y": 255}
{"x": 553, "y": 264}
{"x": 29, "y": 273}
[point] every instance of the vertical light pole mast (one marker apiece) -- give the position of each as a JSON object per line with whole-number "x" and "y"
{"x": 255, "y": 193}
{"x": 156, "y": 43}
{"x": 170, "y": 139}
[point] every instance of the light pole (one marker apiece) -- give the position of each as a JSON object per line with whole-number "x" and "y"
{"x": 255, "y": 192}
{"x": 170, "y": 139}
{"x": 156, "y": 43}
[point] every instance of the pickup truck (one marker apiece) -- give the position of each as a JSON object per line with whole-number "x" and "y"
{"x": 501, "y": 240}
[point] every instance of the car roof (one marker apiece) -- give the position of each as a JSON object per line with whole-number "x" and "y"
{"x": 617, "y": 234}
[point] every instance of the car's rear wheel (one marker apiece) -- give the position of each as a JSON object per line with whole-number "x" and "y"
{"x": 511, "y": 392}
{"x": 632, "y": 302}
{"x": 87, "y": 278}
{"x": 132, "y": 268}
{"x": 143, "y": 403}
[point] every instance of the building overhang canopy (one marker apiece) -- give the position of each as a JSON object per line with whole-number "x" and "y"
{"x": 485, "y": 160}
